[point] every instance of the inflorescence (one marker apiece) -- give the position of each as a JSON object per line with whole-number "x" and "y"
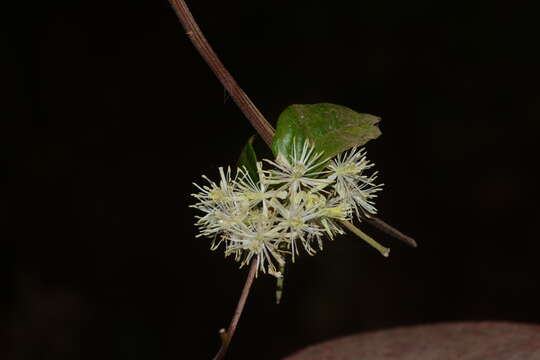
{"x": 294, "y": 204}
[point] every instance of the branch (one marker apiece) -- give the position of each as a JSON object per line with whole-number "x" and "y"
{"x": 390, "y": 230}
{"x": 226, "y": 337}
{"x": 263, "y": 127}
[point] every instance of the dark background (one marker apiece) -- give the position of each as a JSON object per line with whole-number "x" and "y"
{"x": 110, "y": 114}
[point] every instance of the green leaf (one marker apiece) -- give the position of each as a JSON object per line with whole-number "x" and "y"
{"x": 332, "y": 128}
{"x": 248, "y": 159}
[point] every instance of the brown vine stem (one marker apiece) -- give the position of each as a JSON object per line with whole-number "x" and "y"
{"x": 226, "y": 337}
{"x": 381, "y": 225}
{"x": 263, "y": 128}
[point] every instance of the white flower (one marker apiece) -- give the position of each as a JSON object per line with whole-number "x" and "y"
{"x": 258, "y": 239}
{"x": 257, "y": 193}
{"x": 296, "y": 219}
{"x": 293, "y": 202}
{"x": 299, "y": 171}
{"x": 350, "y": 182}
{"x": 333, "y": 211}
{"x": 220, "y": 216}
{"x": 217, "y": 193}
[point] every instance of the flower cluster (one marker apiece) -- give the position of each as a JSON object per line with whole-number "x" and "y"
{"x": 296, "y": 203}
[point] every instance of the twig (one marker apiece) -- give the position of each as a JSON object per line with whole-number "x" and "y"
{"x": 227, "y": 337}
{"x": 263, "y": 127}
{"x": 390, "y": 230}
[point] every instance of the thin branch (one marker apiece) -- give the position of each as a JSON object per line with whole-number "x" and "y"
{"x": 263, "y": 127}
{"x": 227, "y": 337}
{"x": 390, "y": 230}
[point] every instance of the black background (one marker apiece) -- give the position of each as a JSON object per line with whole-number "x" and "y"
{"x": 110, "y": 114}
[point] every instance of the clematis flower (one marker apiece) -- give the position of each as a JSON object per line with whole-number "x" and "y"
{"x": 291, "y": 206}
{"x": 350, "y": 182}
{"x": 298, "y": 172}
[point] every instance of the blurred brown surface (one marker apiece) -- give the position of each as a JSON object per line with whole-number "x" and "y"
{"x": 449, "y": 341}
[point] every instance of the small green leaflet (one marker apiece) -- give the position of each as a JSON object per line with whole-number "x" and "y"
{"x": 248, "y": 159}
